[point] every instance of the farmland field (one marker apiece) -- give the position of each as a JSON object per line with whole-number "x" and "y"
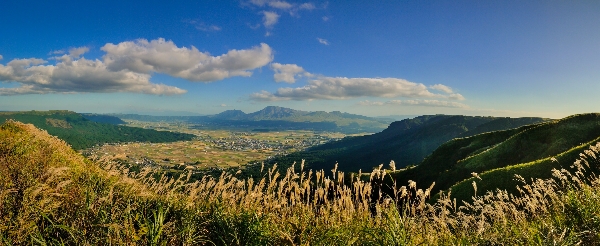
{"x": 212, "y": 148}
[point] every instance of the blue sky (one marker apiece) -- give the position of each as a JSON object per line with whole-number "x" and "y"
{"x": 499, "y": 58}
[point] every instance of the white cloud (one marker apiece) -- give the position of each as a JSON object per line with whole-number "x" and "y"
{"x": 223, "y": 105}
{"x": 416, "y": 102}
{"x": 456, "y": 96}
{"x": 79, "y": 75}
{"x": 446, "y": 89}
{"x": 325, "y": 18}
{"x": 370, "y": 103}
{"x": 323, "y": 41}
{"x": 127, "y": 67}
{"x": 441, "y": 87}
{"x": 280, "y": 4}
{"x": 253, "y": 27}
{"x": 270, "y": 18}
{"x": 283, "y": 5}
{"x": 307, "y": 6}
{"x": 77, "y": 52}
{"x": 1, "y": 57}
{"x": 57, "y": 52}
{"x": 203, "y": 26}
{"x": 265, "y": 96}
{"x": 288, "y": 72}
{"x": 338, "y": 88}
{"x": 272, "y": 10}
{"x": 341, "y": 88}
{"x": 259, "y": 2}
{"x": 143, "y": 56}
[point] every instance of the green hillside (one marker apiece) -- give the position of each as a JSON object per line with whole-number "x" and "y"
{"x": 82, "y": 133}
{"x": 406, "y": 142}
{"x": 101, "y": 118}
{"x": 526, "y": 150}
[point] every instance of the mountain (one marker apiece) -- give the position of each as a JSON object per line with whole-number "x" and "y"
{"x": 230, "y": 115}
{"x": 82, "y": 133}
{"x": 407, "y": 142}
{"x": 274, "y": 113}
{"x": 288, "y": 114}
{"x": 278, "y": 118}
{"x": 530, "y": 151}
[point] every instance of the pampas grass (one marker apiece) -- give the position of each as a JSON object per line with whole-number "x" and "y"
{"x": 51, "y": 195}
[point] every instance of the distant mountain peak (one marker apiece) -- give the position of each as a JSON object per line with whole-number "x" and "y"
{"x": 273, "y": 112}
{"x": 230, "y": 114}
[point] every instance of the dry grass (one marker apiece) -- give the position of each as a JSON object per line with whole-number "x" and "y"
{"x": 51, "y": 195}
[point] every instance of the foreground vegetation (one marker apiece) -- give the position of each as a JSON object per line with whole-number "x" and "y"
{"x": 49, "y": 194}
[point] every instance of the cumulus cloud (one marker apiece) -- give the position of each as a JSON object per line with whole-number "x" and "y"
{"x": 265, "y": 96}
{"x": 270, "y": 18}
{"x": 272, "y": 10}
{"x": 446, "y": 89}
{"x": 79, "y": 75}
{"x": 127, "y": 67}
{"x": 77, "y": 52}
{"x": 415, "y": 102}
{"x": 323, "y": 41}
{"x": 341, "y": 88}
{"x": 143, "y": 56}
{"x": 288, "y": 72}
{"x": 456, "y": 96}
{"x": 1, "y": 57}
{"x": 441, "y": 87}
{"x": 336, "y": 88}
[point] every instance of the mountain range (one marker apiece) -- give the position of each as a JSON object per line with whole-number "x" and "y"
{"x": 407, "y": 142}
{"x": 278, "y": 118}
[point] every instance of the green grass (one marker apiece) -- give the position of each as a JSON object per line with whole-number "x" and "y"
{"x": 457, "y": 159}
{"x": 82, "y": 133}
{"x": 504, "y": 178}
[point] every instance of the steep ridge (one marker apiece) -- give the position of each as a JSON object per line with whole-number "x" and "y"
{"x": 532, "y": 146}
{"x": 406, "y": 142}
{"x": 100, "y": 118}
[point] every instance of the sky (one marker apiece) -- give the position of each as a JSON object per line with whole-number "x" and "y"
{"x": 374, "y": 58}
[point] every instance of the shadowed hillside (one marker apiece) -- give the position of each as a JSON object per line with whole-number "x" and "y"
{"x": 82, "y": 133}
{"x": 406, "y": 142}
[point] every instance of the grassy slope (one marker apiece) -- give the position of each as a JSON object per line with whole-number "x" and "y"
{"x": 83, "y": 133}
{"x": 48, "y": 190}
{"x": 504, "y": 178}
{"x": 534, "y": 145}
